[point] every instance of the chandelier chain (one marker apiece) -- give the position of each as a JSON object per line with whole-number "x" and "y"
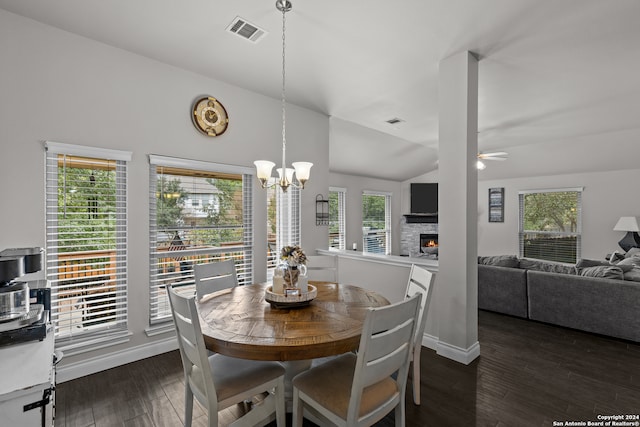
{"x": 264, "y": 167}
{"x": 284, "y": 115}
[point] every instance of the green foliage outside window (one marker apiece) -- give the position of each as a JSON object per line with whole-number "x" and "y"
{"x": 550, "y": 226}
{"x": 554, "y": 211}
{"x": 204, "y": 224}
{"x": 334, "y": 224}
{"x": 86, "y": 209}
{"x": 373, "y": 212}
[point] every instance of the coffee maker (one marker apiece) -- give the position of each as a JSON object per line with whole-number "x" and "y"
{"x": 24, "y": 309}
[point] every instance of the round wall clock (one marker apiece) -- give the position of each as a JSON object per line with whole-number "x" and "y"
{"x": 209, "y": 116}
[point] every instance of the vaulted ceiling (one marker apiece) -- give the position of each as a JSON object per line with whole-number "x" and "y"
{"x": 558, "y": 87}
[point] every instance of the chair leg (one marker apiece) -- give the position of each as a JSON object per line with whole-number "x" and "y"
{"x": 188, "y": 406}
{"x": 281, "y": 409}
{"x": 416, "y": 376}
{"x": 297, "y": 409}
{"x": 399, "y": 412}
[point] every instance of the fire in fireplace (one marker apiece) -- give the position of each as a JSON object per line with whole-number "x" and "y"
{"x": 428, "y": 241}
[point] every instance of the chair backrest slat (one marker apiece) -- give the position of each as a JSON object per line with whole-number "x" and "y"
{"x": 383, "y": 341}
{"x": 214, "y": 276}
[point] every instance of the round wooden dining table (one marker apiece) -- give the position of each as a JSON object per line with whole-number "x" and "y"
{"x": 238, "y": 322}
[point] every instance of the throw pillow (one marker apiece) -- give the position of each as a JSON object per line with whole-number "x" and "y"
{"x": 500, "y": 260}
{"x": 633, "y": 261}
{"x": 551, "y": 267}
{"x": 627, "y": 264}
{"x": 632, "y": 252}
{"x": 603, "y": 271}
{"x": 633, "y": 274}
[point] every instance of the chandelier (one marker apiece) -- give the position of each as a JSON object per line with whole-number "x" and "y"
{"x": 302, "y": 170}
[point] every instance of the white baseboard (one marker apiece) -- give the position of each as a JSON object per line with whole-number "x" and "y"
{"x": 111, "y": 360}
{"x": 458, "y": 354}
{"x": 430, "y": 341}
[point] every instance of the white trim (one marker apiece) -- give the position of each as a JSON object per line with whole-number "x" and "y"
{"x": 161, "y": 328}
{"x": 338, "y": 189}
{"x": 377, "y": 193}
{"x": 430, "y": 341}
{"x": 458, "y": 354}
{"x": 176, "y": 162}
{"x": 431, "y": 265}
{"x": 112, "y": 360}
{"x": 86, "y": 343}
{"x": 84, "y": 151}
{"x": 552, "y": 190}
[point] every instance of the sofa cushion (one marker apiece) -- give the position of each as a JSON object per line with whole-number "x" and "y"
{"x": 584, "y": 262}
{"x": 604, "y": 271}
{"x": 551, "y": 267}
{"x": 500, "y": 260}
{"x": 502, "y": 289}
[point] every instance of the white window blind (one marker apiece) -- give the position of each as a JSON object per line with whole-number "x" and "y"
{"x": 283, "y": 222}
{"x": 550, "y": 225}
{"x": 376, "y": 222}
{"x": 199, "y": 212}
{"x": 337, "y": 235}
{"x": 86, "y": 225}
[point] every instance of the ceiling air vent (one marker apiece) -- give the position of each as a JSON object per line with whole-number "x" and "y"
{"x": 394, "y": 121}
{"x": 246, "y": 30}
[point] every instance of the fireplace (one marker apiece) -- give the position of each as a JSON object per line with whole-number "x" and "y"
{"x": 428, "y": 242}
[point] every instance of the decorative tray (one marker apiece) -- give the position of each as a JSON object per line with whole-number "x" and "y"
{"x": 301, "y": 299}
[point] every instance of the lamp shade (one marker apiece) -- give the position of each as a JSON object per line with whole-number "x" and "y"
{"x": 627, "y": 223}
{"x": 263, "y": 169}
{"x": 303, "y": 170}
{"x": 289, "y": 174}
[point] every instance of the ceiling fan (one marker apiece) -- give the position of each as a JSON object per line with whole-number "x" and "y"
{"x": 496, "y": 155}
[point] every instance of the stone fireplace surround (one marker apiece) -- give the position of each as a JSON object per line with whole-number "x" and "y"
{"x": 410, "y": 234}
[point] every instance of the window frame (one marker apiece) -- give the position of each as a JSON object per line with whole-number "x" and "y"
{"x": 288, "y": 221}
{"x": 380, "y": 233}
{"x": 341, "y": 196}
{"x": 159, "y": 314}
{"x": 522, "y": 233}
{"x": 108, "y": 318}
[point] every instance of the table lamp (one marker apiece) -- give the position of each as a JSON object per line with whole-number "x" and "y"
{"x": 631, "y": 239}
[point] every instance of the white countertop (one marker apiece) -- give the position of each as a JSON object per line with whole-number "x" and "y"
{"x": 429, "y": 264}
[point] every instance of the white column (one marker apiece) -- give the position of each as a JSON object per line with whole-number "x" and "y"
{"x": 456, "y": 288}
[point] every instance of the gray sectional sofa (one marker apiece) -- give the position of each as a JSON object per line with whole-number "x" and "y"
{"x": 584, "y": 296}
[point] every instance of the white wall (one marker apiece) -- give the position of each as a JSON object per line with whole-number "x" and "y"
{"x": 607, "y": 196}
{"x": 61, "y": 87}
{"x": 355, "y": 185}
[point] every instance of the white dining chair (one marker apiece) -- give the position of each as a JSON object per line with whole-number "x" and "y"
{"x": 323, "y": 268}
{"x": 214, "y": 276}
{"x": 420, "y": 282}
{"x": 219, "y": 381}
{"x": 359, "y": 390}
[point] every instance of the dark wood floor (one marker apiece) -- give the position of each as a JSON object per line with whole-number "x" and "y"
{"x": 528, "y": 374}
